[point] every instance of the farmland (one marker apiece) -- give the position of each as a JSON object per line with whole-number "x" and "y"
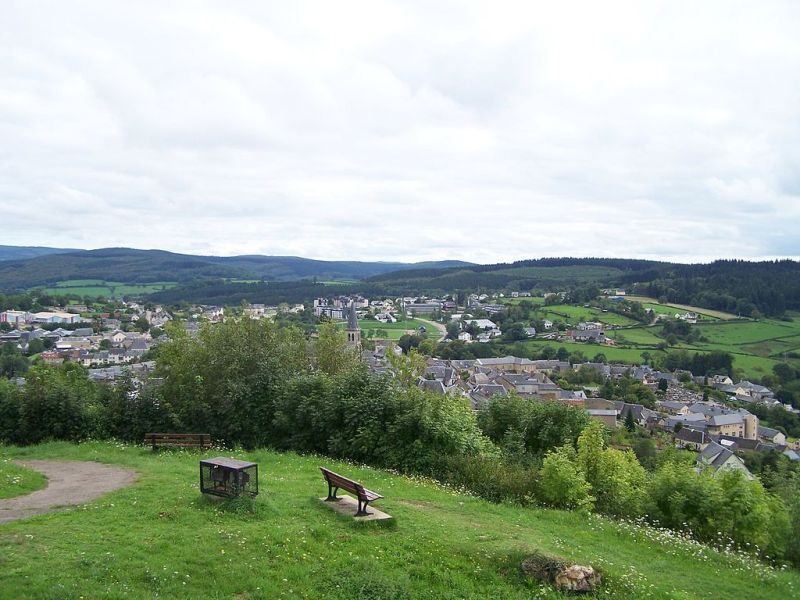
{"x": 109, "y": 289}
{"x": 756, "y": 346}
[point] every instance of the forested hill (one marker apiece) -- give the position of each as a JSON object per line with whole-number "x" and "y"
{"x": 747, "y": 288}
{"x": 142, "y": 266}
{"x": 23, "y": 252}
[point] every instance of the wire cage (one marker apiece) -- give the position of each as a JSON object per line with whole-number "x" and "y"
{"x": 228, "y": 477}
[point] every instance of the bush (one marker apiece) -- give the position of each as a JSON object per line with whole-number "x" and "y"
{"x": 561, "y": 483}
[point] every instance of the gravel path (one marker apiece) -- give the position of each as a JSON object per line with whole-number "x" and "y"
{"x": 69, "y": 483}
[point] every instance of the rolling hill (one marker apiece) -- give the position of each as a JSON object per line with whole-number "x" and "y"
{"x": 23, "y": 252}
{"x": 142, "y": 266}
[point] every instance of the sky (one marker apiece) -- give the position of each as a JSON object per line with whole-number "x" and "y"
{"x": 482, "y": 131}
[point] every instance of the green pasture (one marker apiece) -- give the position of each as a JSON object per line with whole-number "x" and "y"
{"x": 671, "y": 309}
{"x": 639, "y": 336}
{"x": 572, "y": 315}
{"x": 159, "y": 538}
{"x": 109, "y": 289}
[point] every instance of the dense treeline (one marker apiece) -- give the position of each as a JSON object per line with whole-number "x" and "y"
{"x": 256, "y": 383}
{"x": 766, "y": 288}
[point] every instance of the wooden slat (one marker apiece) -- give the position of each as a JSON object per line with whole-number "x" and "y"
{"x": 349, "y": 485}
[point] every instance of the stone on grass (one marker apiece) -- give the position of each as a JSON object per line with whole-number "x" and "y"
{"x": 561, "y": 574}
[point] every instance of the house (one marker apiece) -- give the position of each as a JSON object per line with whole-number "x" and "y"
{"x": 432, "y": 385}
{"x": 482, "y": 324}
{"x": 606, "y": 416}
{"x": 465, "y": 336}
{"x": 547, "y": 324}
{"x": 588, "y": 335}
{"x": 673, "y": 407}
{"x": 771, "y": 435}
{"x": 480, "y": 396}
{"x": 508, "y": 363}
{"x": 692, "y": 439}
{"x": 530, "y": 332}
{"x": 717, "y": 458}
{"x": 641, "y": 414}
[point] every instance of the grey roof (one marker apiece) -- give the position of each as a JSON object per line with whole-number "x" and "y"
{"x": 767, "y": 432}
{"x": 708, "y": 409}
{"x": 432, "y": 385}
{"x": 718, "y": 420}
{"x": 696, "y": 436}
{"x": 352, "y": 319}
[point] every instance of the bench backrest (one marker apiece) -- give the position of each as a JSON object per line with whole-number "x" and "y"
{"x": 342, "y": 482}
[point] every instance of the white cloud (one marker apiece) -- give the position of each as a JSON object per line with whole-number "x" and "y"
{"x": 397, "y": 130}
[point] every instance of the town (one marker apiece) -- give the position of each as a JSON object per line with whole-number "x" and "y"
{"x": 708, "y": 414}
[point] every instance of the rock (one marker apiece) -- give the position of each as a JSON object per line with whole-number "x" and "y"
{"x": 577, "y": 578}
{"x": 561, "y": 574}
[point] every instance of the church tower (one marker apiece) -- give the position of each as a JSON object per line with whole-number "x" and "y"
{"x": 353, "y": 332}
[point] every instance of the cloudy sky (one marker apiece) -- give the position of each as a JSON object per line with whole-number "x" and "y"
{"x": 483, "y": 131}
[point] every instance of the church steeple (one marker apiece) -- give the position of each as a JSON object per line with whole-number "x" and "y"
{"x": 353, "y": 332}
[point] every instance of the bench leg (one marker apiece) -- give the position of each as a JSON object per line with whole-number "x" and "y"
{"x": 362, "y": 508}
{"x": 332, "y": 494}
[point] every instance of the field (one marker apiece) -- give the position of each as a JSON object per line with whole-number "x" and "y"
{"x": 572, "y": 315}
{"x": 109, "y": 289}
{"x": 671, "y": 309}
{"x": 756, "y": 346}
{"x": 394, "y": 331}
{"x": 161, "y": 538}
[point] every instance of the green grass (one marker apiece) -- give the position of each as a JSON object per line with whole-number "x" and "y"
{"x": 18, "y": 481}
{"x": 572, "y": 315}
{"x": 160, "y": 538}
{"x": 394, "y": 330}
{"x": 671, "y": 309}
{"x": 109, "y": 289}
{"x": 644, "y": 336}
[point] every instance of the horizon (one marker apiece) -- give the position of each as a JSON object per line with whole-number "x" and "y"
{"x": 447, "y": 259}
{"x": 404, "y": 133}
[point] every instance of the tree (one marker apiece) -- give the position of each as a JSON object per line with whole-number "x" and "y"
{"x": 12, "y": 363}
{"x": 331, "y": 352}
{"x": 663, "y": 385}
{"x": 616, "y": 477}
{"x": 453, "y": 329}
{"x": 142, "y": 324}
{"x": 406, "y": 368}
{"x": 561, "y": 483}
{"x": 105, "y": 344}
{"x": 630, "y": 423}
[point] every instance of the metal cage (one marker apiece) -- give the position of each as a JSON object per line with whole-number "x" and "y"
{"x": 228, "y": 477}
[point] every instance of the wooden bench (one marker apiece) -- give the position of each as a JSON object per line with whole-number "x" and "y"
{"x": 336, "y": 481}
{"x": 178, "y": 440}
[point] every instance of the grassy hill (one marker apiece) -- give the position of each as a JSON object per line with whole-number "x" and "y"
{"x": 160, "y": 538}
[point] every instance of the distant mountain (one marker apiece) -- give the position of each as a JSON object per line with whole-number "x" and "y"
{"x": 23, "y": 252}
{"x": 141, "y": 266}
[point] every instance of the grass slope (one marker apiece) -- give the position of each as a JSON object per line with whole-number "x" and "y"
{"x": 18, "y": 481}
{"x": 160, "y": 538}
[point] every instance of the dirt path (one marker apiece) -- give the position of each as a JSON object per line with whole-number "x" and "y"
{"x": 441, "y": 328}
{"x": 69, "y": 483}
